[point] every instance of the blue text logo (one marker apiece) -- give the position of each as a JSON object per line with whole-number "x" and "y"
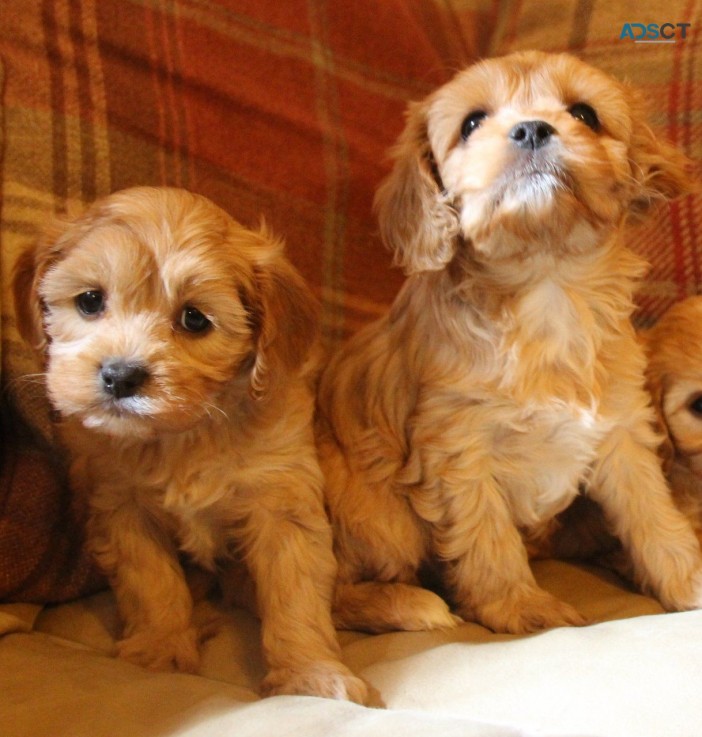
{"x": 655, "y": 33}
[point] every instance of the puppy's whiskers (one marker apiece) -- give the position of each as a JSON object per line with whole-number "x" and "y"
{"x": 211, "y": 409}
{"x": 21, "y": 385}
{"x": 38, "y": 379}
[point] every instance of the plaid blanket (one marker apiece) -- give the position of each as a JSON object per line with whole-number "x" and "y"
{"x": 282, "y": 110}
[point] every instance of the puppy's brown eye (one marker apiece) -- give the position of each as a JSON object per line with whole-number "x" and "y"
{"x": 192, "y": 320}
{"x": 584, "y": 112}
{"x": 695, "y": 406}
{"x": 90, "y": 303}
{"x": 472, "y": 122}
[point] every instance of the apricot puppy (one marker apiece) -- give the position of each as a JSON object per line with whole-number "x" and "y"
{"x": 179, "y": 351}
{"x": 674, "y": 373}
{"x": 506, "y": 374}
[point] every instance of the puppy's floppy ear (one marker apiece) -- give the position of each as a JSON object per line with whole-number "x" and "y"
{"x": 661, "y": 171}
{"x": 416, "y": 219}
{"x": 29, "y": 271}
{"x": 284, "y": 318}
{"x": 655, "y": 383}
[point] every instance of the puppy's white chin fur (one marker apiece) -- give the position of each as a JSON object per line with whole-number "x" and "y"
{"x": 132, "y": 417}
{"x": 534, "y": 210}
{"x": 138, "y": 425}
{"x": 120, "y": 427}
{"x": 536, "y": 192}
{"x": 536, "y": 216}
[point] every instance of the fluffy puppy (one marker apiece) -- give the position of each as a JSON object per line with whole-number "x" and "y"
{"x": 673, "y": 349}
{"x": 506, "y": 374}
{"x": 179, "y": 352}
{"x": 674, "y": 374}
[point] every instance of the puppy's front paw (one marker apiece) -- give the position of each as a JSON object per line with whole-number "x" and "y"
{"x": 384, "y": 607}
{"x": 528, "y": 610}
{"x": 162, "y": 651}
{"x": 326, "y": 679}
{"x": 421, "y": 609}
{"x": 680, "y": 596}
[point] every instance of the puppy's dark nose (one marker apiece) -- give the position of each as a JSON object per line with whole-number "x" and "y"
{"x": 121, "y": 378}
{"x": 532, "y": 134}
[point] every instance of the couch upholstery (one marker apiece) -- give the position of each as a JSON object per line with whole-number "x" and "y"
{"x": 285, "y": 110}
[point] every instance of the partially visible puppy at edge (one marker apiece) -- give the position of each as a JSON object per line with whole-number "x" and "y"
{"x": 506, "y": 375}
{"x": 674, "y": 349}
{"x": 180, "y": 354}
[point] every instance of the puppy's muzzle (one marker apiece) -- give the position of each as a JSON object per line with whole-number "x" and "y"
{"x": 121, "y": 379}
{"x": 531, "y": 134}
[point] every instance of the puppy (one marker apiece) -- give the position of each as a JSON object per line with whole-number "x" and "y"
{"x": 674, "y": 374}
{"x": 506, "y": 374}
{"x": 179, "y": 351}
{"x": 673, "y": 349}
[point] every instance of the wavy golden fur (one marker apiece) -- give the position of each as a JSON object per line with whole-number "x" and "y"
{"x": 506, "y": 374}
{"x": 180, "y": 353}
{"x": 674, "y": 374}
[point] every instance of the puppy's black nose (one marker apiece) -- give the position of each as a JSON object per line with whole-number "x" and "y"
{"x": 121, "y": 378}
{"x": 532, "y": 134}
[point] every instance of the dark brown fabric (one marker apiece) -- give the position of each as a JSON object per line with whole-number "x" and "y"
{"x": 42, "y": 555}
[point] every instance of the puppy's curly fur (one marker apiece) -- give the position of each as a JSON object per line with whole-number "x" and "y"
{"x": 506, "y": 374}
{"x": 180, "y": 354}
{"x": 673, "y": 348}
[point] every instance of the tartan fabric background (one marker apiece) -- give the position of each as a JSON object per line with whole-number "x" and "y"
{"x": 281, "y": 109}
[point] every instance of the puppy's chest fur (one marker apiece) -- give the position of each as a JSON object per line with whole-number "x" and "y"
{"x": 530, "y": 402}
{"x": 199, "y": 489}
{"x": 539, "y": 454}
{"x": 205, "y": 499}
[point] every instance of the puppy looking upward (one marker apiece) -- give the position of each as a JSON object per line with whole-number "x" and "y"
{"x": 506, "y": 374}
{"x": 179, "y": 351}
